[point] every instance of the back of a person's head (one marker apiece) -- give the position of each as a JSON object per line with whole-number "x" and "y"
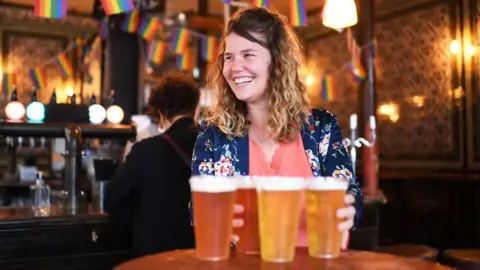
{"x": 175, "y": 94}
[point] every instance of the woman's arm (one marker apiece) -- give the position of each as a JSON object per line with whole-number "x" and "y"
{"x": 121, "y": 189}
{"x": 337, "y": 162}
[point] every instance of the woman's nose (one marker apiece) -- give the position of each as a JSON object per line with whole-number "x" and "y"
{"x": 237, "y": 64}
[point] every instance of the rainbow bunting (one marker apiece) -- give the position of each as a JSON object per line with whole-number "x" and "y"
{"x": 8, "y": 82}
{"x": 117, "y": 6}
{"x": 64, "y": 65}
{"x": 357, "y": 71}
{"x": 226, "y": 1}
{"x": 180, "y": 39}
{"x": 55, "y": 9}
{"x": 298, "y": 13}
{"x": 149, "y": 28}
{"x": 328, "y": 88}
{"x": 260, "y": 3}
{"x": 131, "y": 22}
{"x": 156, "y": 51}
{"x": 39, "y": 78}
{"x": 209, "y": 46}
{"x": 88, "y": 78}
{"x": 185, "y": 60}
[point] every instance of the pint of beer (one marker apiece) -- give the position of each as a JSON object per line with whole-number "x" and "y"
{"x": 324, "y": 195}
{"x": 279, "y": 212}
{"x": 249, "y": 241}
{"x": 213, "y": 199}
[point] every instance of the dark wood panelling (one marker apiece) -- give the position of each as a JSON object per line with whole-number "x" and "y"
{"x": 441, "y": 214}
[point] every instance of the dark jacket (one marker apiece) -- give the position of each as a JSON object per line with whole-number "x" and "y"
{"x": 151, "y": 191}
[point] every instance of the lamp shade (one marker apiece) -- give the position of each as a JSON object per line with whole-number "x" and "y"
{"x": 339, "y": 14}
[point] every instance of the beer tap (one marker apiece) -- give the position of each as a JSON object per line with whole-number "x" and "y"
{"x": 43, "y": 141}
{"x": 353, "y": 142}
{"x": 31, "y": 142}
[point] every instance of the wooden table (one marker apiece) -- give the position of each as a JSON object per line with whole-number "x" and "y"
{"x": 355, "y": 260}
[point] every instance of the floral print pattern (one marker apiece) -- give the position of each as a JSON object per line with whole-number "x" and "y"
{"x": 325, "y": 149}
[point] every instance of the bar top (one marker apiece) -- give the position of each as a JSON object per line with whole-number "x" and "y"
{"x": 19, "y": 216}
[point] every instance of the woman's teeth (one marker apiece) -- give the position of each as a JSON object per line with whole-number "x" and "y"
{"x": 242, "y": 80}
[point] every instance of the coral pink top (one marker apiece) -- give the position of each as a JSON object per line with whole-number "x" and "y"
{"x": 289, "y": 160}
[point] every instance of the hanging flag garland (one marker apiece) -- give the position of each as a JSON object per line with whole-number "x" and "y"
{"x": 53, "y": 9}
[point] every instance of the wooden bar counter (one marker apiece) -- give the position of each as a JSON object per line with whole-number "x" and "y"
{"x": 88, "y": 240}
{"x": 358, "y": 260}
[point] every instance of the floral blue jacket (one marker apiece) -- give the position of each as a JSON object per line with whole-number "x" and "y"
{"x": 325, "y": 148}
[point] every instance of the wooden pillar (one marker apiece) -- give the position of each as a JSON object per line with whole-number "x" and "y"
{"x": 202, "y": 64}
{"x": 125, "y": 66}
{"x": 367, "y": 93}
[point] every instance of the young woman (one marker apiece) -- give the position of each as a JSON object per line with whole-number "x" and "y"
{"x": 261, "y": 123}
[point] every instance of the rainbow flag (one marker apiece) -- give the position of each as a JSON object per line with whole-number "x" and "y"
{"x": 328, "y": 88}
{"x": 117, "y": 6}
{"x": 39, "y": 78}
{"x": 88, "y": 77}
{"x": 185, "y": 60}
{"x": 156, "y": 51}
{"x": 358, "y": 72}
{"x": 55, "y": 9}
{"x": 209, "y": 47}
{"x": 149, "y": 28}
{"x": 64, "y": 65}
{"x": 298, "y": 13}
{"x": 131, "y": 22}
{"x": 180, "y": 39}
{"x": 226, "y": 1}
{"x": 8, "y": 82}
{"x": 260, "y": 3}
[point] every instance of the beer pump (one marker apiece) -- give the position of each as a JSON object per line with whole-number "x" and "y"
{"x": 353, "y": 142}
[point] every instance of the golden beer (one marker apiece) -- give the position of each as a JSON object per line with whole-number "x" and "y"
{"x": 249, "y": 240}
{"x": 279, "y": 213}
{"x": 213, "y": 199}
{"x": 324, "y": 195}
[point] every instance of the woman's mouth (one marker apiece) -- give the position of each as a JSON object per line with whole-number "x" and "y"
{"x": 240, "y": 81}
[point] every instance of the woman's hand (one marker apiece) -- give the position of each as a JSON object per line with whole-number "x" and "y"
{"x": 347, "y": 213}
{"x": 237, "y": 222}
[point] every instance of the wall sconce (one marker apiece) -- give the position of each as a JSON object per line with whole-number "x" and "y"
{"x": 456, "y": 48}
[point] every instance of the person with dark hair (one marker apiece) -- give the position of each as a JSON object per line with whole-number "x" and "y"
{"x": 151, "y": 189}
{"x": 261, "y": 123}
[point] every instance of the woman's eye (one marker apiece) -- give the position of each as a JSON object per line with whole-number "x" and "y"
{"x": 248, "y": 55}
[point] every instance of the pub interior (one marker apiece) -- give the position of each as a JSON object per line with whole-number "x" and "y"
{"x": 404, "y": 82}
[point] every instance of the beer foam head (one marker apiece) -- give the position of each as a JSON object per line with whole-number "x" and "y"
{"x": 246, "y": 182}
{"x": 327, "y": 183}
{"x": 280, "y": 183}
{"x": 210, "y": 183}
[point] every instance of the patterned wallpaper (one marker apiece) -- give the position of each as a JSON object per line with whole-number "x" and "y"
{"x": 23, "y": 52}
{"x": 417, "y": 121}
{"x": 28, "y": 42}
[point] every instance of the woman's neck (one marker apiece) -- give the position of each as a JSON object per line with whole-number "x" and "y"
{"x": 258, "y": 117}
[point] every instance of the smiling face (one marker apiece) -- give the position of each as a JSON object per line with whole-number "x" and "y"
{"x": 246, "y": 68}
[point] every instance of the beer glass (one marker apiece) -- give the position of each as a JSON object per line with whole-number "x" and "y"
{"x": 324, "y": 195}
{"x": 279, "y": 212}
{"x": 249, "y": 241}
{"x": 213, "y": 199}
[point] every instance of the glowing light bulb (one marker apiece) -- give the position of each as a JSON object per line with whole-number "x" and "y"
{"x": 339, "y": 14}
{"x": 455, "y": 47}
{"x": 36, "y": 111}
{"x": 309, "y": 80}
{"x": 15, "y": 111}
{"x": 97, "y": 113}
{"x": 115, "y": 114}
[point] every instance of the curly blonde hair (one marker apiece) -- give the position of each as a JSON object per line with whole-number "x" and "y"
{"x": 289, "y": 103}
